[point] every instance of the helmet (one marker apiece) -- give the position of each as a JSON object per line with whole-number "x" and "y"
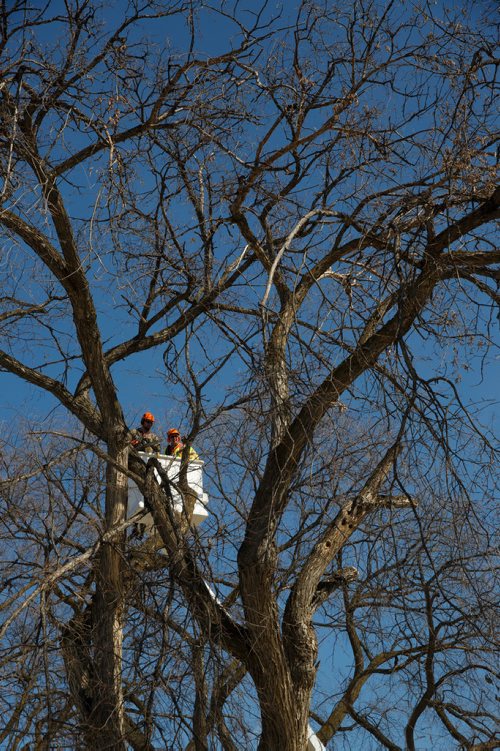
{"x": 172, "y": 431}
{"x": 148, "y": 416}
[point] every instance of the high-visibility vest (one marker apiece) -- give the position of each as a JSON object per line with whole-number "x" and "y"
{"x": 177, "y": 452}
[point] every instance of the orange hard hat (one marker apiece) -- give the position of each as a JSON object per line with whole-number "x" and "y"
{"x": 148, "y": 416}
{"x": 172, "y": 431}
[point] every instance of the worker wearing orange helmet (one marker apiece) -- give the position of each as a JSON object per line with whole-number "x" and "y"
{"x": 143, "y": 439}
{"x": 175, "y": 445}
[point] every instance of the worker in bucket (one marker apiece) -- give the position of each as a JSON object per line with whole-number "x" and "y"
{"x": 175, "y": 445}
{"x": 143, "y": 439}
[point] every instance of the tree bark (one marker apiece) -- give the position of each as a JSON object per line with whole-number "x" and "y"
{"x": 107, "y": 717}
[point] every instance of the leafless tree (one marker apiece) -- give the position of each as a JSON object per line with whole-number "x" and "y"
{"x": 284, "y": 218}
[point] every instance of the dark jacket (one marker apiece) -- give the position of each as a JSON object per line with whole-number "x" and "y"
{"x": 148, "y": 442}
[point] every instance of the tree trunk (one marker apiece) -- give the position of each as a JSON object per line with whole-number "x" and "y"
{"x": 284, "y": 694}
{"x": 107, "y": 714}
{"x": 284, "y": 719}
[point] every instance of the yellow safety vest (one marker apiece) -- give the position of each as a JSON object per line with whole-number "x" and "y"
{"x": 177, "y": 452}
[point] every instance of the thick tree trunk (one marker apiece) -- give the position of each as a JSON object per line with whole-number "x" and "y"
{"x": 284, "y": 715}
{"x": 284, "y": 702}
{"x": 284, "y": 711}
{"x": 107, "y": 713}
{"x": 284, "y": 694}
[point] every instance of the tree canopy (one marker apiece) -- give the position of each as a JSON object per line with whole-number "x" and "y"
{"x": 275, "y": 227}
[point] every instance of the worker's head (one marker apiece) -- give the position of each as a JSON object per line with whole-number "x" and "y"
{"x": 173, "y": 435}
{"x": 147, "y": 420}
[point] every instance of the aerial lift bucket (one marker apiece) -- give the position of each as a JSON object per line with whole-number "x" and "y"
{"x": 171, "y": 465}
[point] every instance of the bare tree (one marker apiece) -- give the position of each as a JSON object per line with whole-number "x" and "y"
{"x": 286, "y": 216}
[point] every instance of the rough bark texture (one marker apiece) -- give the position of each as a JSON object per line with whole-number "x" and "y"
{"x": 107, "y": 619}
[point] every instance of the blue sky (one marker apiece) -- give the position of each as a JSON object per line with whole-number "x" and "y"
{"x": 137, "y": 385}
